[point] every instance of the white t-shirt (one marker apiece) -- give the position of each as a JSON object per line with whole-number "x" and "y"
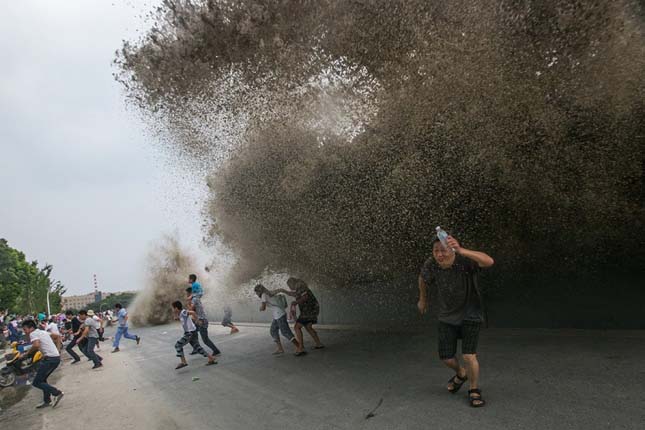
{"x": 53, "y": 328}
{"x": 272, "y": 303}
{"x": 47, "y": 346}
{"x": 186, "y": 321}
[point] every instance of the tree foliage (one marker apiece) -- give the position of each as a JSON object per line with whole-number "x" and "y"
{"x": 24, "y": 286}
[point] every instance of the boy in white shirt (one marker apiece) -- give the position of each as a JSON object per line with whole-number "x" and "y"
{"x": 190, "y": 335}
{"x": 42, "y": 341}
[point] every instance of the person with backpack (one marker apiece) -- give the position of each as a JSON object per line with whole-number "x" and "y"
{"x": 279, "y": 325}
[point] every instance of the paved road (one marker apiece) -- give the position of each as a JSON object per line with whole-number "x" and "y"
{"x": 531, "y": 379}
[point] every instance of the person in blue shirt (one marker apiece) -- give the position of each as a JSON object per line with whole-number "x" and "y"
{"x": 196, "y": 287}
{"x": 122, "y": 328}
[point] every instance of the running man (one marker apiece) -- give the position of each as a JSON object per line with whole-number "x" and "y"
{"x": 279, "y": 323}
{"x": 201, "y": 322}
{"x": 452, "y": 273}
{"x": 227, "y": 321}
{"x": 90, "y": 332}
{"x": 122, "y": 328}
{"x": 42, "y": 341}
{"x": 309, "y": 310}
{"x": 190, "y": 335}
{"x": 74, "y": 329}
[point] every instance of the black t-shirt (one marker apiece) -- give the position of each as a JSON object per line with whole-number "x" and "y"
{"x": 76, "y": 324}
{"x": 455, "y": 289}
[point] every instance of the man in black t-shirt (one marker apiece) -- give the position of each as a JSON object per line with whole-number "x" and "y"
{"x": 451, "y": 274}
{"x": 74, "y": 326}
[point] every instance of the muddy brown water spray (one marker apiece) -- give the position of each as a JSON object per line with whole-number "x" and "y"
{"x": 341, "y": 133}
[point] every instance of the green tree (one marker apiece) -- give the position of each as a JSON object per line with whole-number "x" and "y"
{"x": 24, "y": 286}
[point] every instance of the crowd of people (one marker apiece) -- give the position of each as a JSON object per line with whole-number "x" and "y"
{"x": 451, "y": 274}
{"x": 50, "y": 335}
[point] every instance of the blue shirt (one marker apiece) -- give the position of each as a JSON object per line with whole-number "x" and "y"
{"x": 197, "y": 289}
{"x": 121, "y": 316}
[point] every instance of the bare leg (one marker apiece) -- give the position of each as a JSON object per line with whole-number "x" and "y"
{"x": 453, "y": 363}
{"x": 296, "y": 343}
{"x": 298, "y": 329}
{"x": 279, "y": 348}
{"x": 472, "y": 367}
{"x": 313, "y": 334}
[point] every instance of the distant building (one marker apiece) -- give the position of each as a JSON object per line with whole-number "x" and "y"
{"x": 77, "y": 302}
{"x": 81, "y": 301}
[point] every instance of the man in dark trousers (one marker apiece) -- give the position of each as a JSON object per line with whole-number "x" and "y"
{"x": 452, "y": 275}
{"x": 201, "y": 322}
{"x": 90, "y": 332}
{"x": 74, "y": 327}
{"x": 42, "y": 341}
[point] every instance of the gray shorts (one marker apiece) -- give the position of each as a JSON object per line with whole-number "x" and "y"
{"x": 281, "y": 326}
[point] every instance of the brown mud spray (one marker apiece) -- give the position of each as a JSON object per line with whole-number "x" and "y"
{"x": 341, "y": 133}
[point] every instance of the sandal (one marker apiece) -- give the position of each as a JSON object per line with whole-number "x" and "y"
{"x": 480, "y": 401}
{"x": 180, "y": 366}
{"x": 300, "y": 354}
{"x": 456, "y": 385}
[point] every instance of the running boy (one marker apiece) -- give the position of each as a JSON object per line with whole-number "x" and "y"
{"x": 190, "y": 335}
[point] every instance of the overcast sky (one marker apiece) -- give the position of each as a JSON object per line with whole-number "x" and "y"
{"x": 82, "y": 186}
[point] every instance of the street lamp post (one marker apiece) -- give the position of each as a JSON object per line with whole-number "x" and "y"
{"x": 49, "y": 311}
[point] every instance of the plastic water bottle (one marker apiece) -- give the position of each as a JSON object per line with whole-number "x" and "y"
{"x": 443, "y": 237}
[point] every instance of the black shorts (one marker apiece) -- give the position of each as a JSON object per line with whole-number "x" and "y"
{"x": 468, "y": 332}
{"x": 306, "y": 321}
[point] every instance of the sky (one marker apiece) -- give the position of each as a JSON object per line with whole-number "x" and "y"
{"x": 82, "y": 184}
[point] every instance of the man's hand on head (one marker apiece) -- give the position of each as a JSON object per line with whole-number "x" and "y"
{"x": 454, "y": 244}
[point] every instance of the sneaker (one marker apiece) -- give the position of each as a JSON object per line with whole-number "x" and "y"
{"x": 138, "y": 340}
{"x": 96, "y": 366}
{"x": 43, "y": 405}
{"x": 57, "y": 399}
{"x": 116, "y": 350}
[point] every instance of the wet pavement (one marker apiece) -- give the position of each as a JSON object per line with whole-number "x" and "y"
{"x": 531, "y": 379}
